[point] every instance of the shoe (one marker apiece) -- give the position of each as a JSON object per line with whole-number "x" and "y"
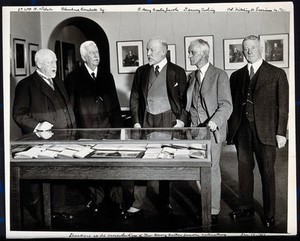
{"x": 214, "y": 219}
{"x": 62, "y": 215}
{"x": 246, "y": 213}
{"x": 93, "y": 207}
{"x": 166, "y": 210}
{"x": 131, "y": 215}
{"x": 269, "y": 222}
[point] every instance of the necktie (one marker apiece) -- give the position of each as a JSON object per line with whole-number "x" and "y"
{"x": 93, "y": 76}
{"x": 156, "y": 70}
{"x": 50, "y": 82}
{"x": 251, "y": 72}
{"x": 198, "y": 80}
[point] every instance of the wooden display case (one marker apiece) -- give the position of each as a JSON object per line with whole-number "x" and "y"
{"x": 110, "y": 154}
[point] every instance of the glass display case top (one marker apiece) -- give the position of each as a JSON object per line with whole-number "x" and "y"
{"x": 118, "y": 134}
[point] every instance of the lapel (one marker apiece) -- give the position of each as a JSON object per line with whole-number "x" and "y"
{"x": 87, "y": 75}
{"x": 263, "y": 75}
{"x": 60, "y": 86}
{"x": 144, "y": 79}
{"x": 189, "y": 94}
{"x": 43, "y": 86}
{"x": 170, "y": 77}
{"x": 243, "y": 80}
{"x": 207, "y": 81}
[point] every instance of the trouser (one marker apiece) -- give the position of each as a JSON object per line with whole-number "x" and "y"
{"x": 215, "y": 177}
{"x": 247, "y": 143}
{"x": 97, "y": 192}
{"x": 33, "y": 198}
{"x": 165, "y": 119}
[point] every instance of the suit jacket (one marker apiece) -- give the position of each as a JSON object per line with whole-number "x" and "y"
{"x": 270, "y": 102}
{"x": 215, "y": 98}
{"x": 176, "y": 85}
{"x": 34, "y": 103}
{"x": 83, "y": 93}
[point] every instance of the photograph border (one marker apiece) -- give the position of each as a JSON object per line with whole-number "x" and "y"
{"x": 227, "y": 64}
{"x": 188, "y": 39}
{"x": 31, "y": 47}
{"x": 285, "y": 37}
{"x": 218, "y": 45}
{"x": 19, "y": 71}
{"x": 129, "y": 69}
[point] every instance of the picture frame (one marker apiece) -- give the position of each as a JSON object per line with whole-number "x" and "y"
{"x": 188, "y": 40}
{"x": 233, "y": 54}
{"x": 171, "y": 53}
{"x": 32, "y": 49}
{"x": 129, "y": 55}
{"x": 275, "y": 49}
{"x": 19, "y": 58}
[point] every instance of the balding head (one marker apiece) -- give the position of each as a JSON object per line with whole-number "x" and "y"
{"x": 45, "y": 60}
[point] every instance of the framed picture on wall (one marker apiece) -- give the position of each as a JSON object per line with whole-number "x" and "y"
{"x": 276, "y": 49}
{"x": 171, "y": 54}
{"x": 233, "y": 54}
{"x": 130, "y": 56}
{"x": 188, "y": 40}
{"x": 32, "y": 49}
{"x": 19, "y": 57}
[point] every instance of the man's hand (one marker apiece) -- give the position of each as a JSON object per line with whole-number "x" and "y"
{"x": 44, "y": 134}
{"x": 281, "y": 141}
{"x": 137, "y": 125}
{"x": 179, "y": 123}
{"x": 212, "y": 126}
{"x": 44, "y": 126}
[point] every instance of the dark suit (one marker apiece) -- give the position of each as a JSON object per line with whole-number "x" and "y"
{"x": 96, "y": 105}
{"x": 175, "y": 85}
{"x": 34, "y": 103}
{"x": 270, "y": 116}
{"x": 94, "y": 101}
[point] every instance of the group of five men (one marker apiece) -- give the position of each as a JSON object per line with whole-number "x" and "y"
{"x": 252, "y": 106}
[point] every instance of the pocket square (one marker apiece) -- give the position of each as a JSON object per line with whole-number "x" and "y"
{"x": 175, "y": 85}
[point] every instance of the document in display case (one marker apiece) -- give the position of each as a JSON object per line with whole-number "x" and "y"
{"x": 110, "y": 154}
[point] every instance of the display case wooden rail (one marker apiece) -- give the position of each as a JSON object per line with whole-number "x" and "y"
{"x": 110, "y": 154}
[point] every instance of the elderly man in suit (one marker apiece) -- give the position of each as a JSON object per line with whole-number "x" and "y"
{"x": 42, "y": 103}
{"x": 257, "y": 125}
{"x": 96, "y": 105}
{"x": 157, "y": 100}
{"x": 209, "y": 104}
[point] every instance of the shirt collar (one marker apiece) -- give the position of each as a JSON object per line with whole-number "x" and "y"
{"x": 161, "y": 64}
{"x": 43, "y": 75}
{"x": 91, "y": 71}
{"x": 204, "y": 68}
{"x": 255, "y": 65}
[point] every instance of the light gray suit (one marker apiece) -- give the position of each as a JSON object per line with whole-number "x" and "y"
{"x": 215, "y": 97}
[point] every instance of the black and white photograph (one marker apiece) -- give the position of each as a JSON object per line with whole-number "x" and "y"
{"x": 276, "y": 49}
{"x": 130, "y": 55}
{"x": 20, "y": 60}
{"x": 149, "y": 120}
{"x": 233, "y": 54}
{"x": 32, "y": 49}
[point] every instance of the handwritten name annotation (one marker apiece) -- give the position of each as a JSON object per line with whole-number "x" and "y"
{"x": 153, "y": 10}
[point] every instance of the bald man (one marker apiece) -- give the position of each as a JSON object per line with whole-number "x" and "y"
{"x": 42, "y": 103}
